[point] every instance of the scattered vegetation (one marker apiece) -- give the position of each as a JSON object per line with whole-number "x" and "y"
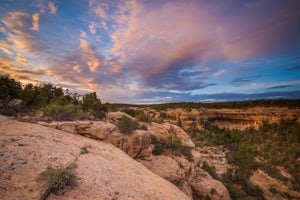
{"x": 211, "y": 170}
{"x": 138, "y": 114}
{"x": 127, "y": 125}
{"x": 270, "y": 146}
{"x": 158, "y": 149}
{"x": 173, "y": 143}
{"x": 143, "y": 127}
{"x": 84, "y": 149}
{"x": 58, "y": 179}
{"x": 290, "y": 103}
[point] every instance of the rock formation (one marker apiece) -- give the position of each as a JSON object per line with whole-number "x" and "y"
{"x": 139, "y": 144}
{"x": 195, "y": 182}
{"x": 229, "y": 118}
{"x": 272, "y": 188}
{"x": 104, "y": 172}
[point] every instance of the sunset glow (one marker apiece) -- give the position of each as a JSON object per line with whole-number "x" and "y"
{"x": 155, "y": 51}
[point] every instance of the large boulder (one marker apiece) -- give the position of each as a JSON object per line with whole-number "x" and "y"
{"x": 162, "y": 131}
{"x": 136, "y": 145}
{"x": 103, "y": 172}
{"x": 165, "y": 167}
{"x": 205, "y": 186}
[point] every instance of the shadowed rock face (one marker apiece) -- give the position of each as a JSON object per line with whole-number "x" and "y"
{"x": 105, "y": 172}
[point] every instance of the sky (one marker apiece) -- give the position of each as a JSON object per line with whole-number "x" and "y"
{"x": 155, "y": 51}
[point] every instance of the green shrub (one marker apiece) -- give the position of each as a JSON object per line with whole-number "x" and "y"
{"x": 127, "y": 125}
{"x": 63, "y": 112}
{"x": 187, "y": 152}
{"x": 84, "y": 150}
{"x": 57, "y": 179}
{"x": 129, "y": 111}
{"x": 138, "y": 114}
{"x": 210, "y": 170}
{"x": 173, "y": 141}
{"x": 143, "y": 127}
{"x": 99, "y": 111}
{"x": 158, "y": 149}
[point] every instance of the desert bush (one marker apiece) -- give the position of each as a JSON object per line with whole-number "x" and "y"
{"x": 143, "y": 127}
{"x": 127, "y": 125}
{"x": 158, "y": 149}
{"x": 57, "y": 179}
{"x": 63, "y": 112}
{"x": 187, "y": 152}
{"x": 173, "y": 141}
{"x": 211, "y": 170}
{"x": 99, "y": 111}
{"x": 138, "y": 114}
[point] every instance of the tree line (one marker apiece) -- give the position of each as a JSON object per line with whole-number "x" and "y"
{"x": 16, "y": 98}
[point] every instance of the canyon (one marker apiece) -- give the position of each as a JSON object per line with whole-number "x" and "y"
{"x": 124, "y": 166}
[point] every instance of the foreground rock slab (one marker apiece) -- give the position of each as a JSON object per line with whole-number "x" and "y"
{"x": 104, "y": 172}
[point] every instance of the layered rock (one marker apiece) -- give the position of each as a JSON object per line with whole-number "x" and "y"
{"x": 139, "y": 144}
{"x": 194, "y": 182}
{"x": 230, "y": 118}
{"x": 272, "y": 188}
{"x": 104, "y": 172}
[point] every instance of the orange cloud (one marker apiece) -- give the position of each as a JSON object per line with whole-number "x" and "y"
{"x": 21, "y": 59}
{"x": 52, "y": 7}
{"x": 35, "y": 21}
{"x": 83, "y": 34}
{"x": 92, "y": 61}
{"x": 77, "y": 69}
{"x": 116, "y": 68}
{"x": 5, "y": 50}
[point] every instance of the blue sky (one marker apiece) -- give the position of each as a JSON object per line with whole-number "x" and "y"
{"x": 155, "y": 51}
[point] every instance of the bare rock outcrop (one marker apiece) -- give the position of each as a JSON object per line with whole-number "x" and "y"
{"x": 162, "y": 131}
{"x": 136, "y": 145}
{"x": 166, "y": 167}
{"x": 204, "y": 185}
{"x": 194, "y": 182}
{"x": 104, "y": 172}
{"x": 272, "y": 188}
{"x": 139, "y": 144}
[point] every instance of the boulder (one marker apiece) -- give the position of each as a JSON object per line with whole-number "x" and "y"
{"x": 136, "y": 145}
{"x": 205, "y": 186}
{"x": 104, "y": 172}
{"x": 166, "y": 168}
{"x": 162, "y": 131}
